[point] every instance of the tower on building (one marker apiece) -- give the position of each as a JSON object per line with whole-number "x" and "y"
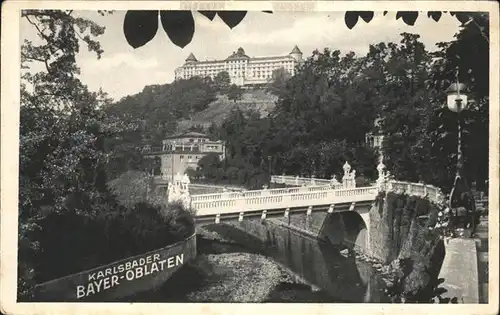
{"x": 296, "y": 54}
{"x": 191, "y": 58}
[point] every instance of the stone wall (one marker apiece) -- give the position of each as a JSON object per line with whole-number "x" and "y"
{"x": 396, "y": 230}
{"x": 398, "y": 235}
{"x": 121, "y": 278}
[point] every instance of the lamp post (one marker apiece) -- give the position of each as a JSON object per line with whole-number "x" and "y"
{"x": 269, "y": 161}
{"x": 461, "y": 195}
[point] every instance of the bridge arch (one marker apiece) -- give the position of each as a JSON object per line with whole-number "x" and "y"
{"x": 347, "y": 228}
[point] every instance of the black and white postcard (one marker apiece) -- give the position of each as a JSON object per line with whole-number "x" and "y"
{"x": 234, "y": 157}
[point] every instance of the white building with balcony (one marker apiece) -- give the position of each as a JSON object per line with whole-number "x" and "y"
{"x": 182, "y": 151}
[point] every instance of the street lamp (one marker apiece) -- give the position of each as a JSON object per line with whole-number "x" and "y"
{"x": 461, "y": 195}
{"x": 269, "y": 161}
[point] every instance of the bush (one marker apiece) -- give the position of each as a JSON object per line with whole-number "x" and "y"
{"x": 134, "y": 187}
{"x": 71, "y": 243}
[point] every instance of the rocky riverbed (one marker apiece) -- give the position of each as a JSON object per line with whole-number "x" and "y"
{"x": 226, "y": 270}
{"x": 239, "y": 277}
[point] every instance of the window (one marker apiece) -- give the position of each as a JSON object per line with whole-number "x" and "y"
{"x": 181, "y": 157}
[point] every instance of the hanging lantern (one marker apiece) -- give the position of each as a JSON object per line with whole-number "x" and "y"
{"x": 457, "y": 99}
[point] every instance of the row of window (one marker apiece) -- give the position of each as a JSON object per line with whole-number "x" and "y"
{"x": 216, "y": 66}
{"x": 241, "y": 66}
{"x": 264, "y": 73}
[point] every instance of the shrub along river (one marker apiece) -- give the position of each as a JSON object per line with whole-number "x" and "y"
{"x": 264, "y": 262}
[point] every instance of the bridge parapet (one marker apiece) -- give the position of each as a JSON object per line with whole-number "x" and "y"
{"x": 278, "y": 201}
{"x": 320, "y": 194}
{"x": 263, "y": 192}
{"x": 301, "y": 181}
{"x": 348, "y": 180}
{"x": 386, "y": 183}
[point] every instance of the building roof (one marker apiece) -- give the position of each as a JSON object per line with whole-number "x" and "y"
{"x": 271, "y": 58}
{"x": 239, "y": 54}
{"x": 296, "y": 50}
{"x": 191, "y": 57}
{"x": 188, "y": 134}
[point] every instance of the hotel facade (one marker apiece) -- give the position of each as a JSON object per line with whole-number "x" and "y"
{"x": 242, "y": 69}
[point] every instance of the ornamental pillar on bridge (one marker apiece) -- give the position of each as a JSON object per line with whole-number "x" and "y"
{"x": 178, "y": 190}
{"x": 381, "y": 180}
{"x": 349, "y": 178}
{"x": 333, "y": 181}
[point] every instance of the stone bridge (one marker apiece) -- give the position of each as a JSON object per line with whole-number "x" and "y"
{"x": 351, "y": 203}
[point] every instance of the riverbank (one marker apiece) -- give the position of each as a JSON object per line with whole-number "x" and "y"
{"x": 257, "y": 262}
{"x": 330, "y": 274}
{"x": 243, "y": 273}
{"x": 238, "y": 277}
{"x": 227, "y": 272}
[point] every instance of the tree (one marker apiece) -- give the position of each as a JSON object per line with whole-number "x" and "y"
{"x": 209, "y": 166}
{"x": 62, "y": 132}
{"x": 469, "y": 54}
{"x": 278, "y": 80}
{"x": 234, "y": 93}
{"x": 159, "y": 107}
{"x": 411, "y": 93}
{"x": 222, "y": 81}
{"x": 399, "y": 73}
{"x": 323, "y": 101}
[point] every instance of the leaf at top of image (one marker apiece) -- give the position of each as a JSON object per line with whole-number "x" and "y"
{"x": 140, "y": 27}
{"x": 435, "y": 15}
{"x": 232, "y": 18}
{"x": 179, "y": 26}
{"x": 367, "y": 16}
{"x": 208, "y": 14}
{"x": 409, "y": 17}
{"x": 351, "y": 18}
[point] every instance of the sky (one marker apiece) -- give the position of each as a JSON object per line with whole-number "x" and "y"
{"x": 124, "y": 71}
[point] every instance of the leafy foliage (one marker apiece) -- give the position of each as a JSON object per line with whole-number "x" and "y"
{"x": 278, "y": 80}
{"x": 179, "y": 26}
{"x": 140, "y": 27}
{"x": 408, "y": 17}
{"x": 234, "y": 92}
{"x": 409, "y": 87}
{"x": 157, "y": 108}
{"x": 222, "y": 81}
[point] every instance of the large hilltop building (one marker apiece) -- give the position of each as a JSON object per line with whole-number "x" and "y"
{"x": 243, "y": 70}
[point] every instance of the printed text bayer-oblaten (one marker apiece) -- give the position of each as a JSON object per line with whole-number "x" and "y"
{"x": 129, "y": 271}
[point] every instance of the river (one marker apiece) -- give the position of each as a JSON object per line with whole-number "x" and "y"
{"x": 254, "y": 262}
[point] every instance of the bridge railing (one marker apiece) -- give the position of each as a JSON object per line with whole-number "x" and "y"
{"x": 299, "y": 181}
{"x": 276, "y": 201}
{"x": 262, "y": 192}
{"x": 434, "y": 194}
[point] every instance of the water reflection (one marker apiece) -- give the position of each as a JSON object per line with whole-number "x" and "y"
{"x": 319, "y": 263}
